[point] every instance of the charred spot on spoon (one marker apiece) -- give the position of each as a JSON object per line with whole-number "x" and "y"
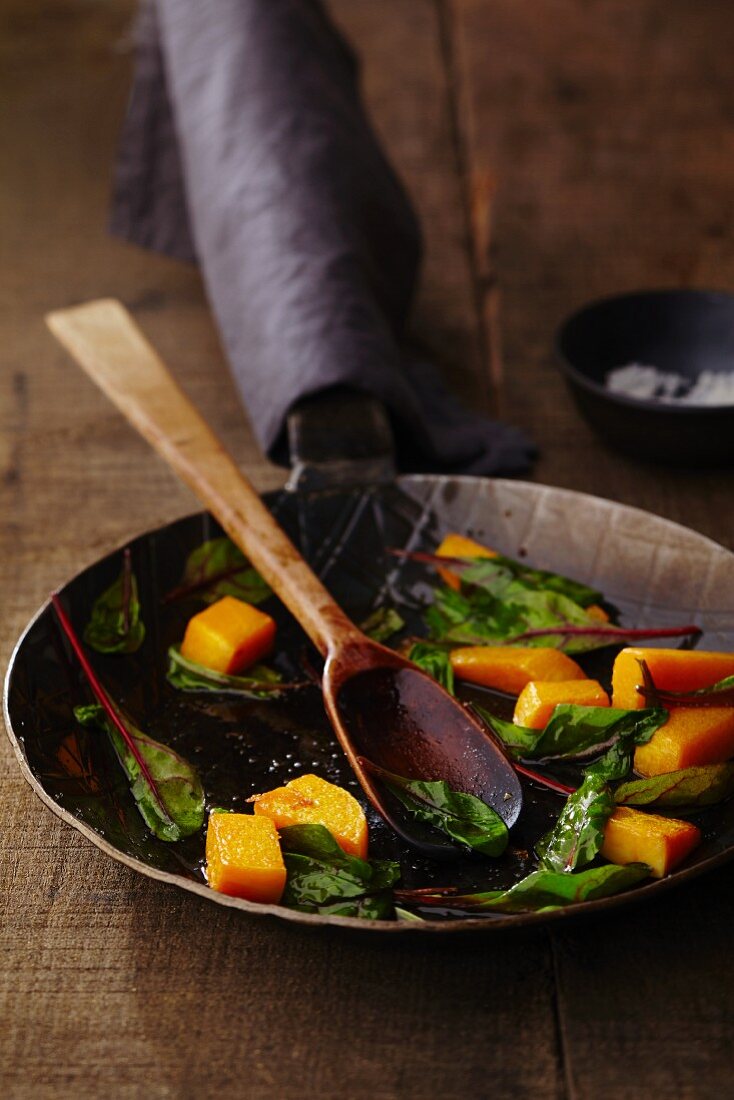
{"x": 404, "y": 721}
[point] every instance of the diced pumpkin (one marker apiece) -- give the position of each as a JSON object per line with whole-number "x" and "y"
{"x": 631, "y": 836}
{"x": 671, "y": 669}
{"x": 538, "y": 699}
{"x": 228, "y": 636}
{"x": 691, "y": 736}
{"x": 310, "y": 800}
{"x": 510, "y": 668}
{"x": 243, "y": 857}
{"x": 459, "y": 546}
{"x": 598, "y": 613}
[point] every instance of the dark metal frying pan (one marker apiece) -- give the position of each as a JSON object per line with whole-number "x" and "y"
{"x": 344, "y": 510}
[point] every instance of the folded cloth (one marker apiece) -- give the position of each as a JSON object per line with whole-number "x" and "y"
{"x": 246, "y": 148}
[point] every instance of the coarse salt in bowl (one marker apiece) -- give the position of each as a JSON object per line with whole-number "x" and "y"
{"x": 653, "y": 373}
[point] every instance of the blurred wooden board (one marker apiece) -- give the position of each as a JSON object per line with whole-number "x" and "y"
{"x": 603, "y": 129}
{"x": 598, "y": 133}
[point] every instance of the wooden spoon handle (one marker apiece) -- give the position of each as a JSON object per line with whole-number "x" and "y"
{"x": 107, "y": 343}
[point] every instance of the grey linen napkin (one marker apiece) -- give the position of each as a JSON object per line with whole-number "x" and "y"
{"x": 246, "y": 149}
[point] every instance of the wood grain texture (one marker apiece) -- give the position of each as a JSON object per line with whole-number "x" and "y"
{"x": 606, "y": 130}
{"x": 111, "y": 983}
{"x": 597, "y": 157}
{"x": 407, "y": 86}
{"x": 105, "y": 341}
{"x": 645, "y": 999}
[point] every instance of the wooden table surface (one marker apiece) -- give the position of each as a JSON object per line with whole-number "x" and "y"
{"x": 557, "y": 150}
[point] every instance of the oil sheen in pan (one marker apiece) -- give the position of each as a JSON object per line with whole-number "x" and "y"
{"x": 243, "y": 746}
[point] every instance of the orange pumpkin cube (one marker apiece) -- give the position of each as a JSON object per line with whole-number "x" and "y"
{"x": 631, "y": 836}
{"x": 691, "y": 736}
{"x": 458, "y": 546}
{"x": 243, "y": 857}
{"x": 228, "y": 636}
{"x": 539, "y": 698}
{"x": 598, "y": 613}
{"x": 510, "y": 668}
{"x": 671, "y": 669}
{"x": 310, "y": 800}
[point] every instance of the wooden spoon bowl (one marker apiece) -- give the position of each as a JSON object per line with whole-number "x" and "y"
{"x": 382, "y": 707}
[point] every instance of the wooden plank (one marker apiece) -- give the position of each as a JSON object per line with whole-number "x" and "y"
{"x": 123, "y": 984}
{"x": 64, "y": 89}
{"x": 645, "y": 997}
{"x": 407, "y": 91}
{"x": 110, "y": 982}
{"x": 604, "y": 128}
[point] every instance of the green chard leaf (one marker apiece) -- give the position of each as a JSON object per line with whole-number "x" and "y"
{"x": 436, "y": 662}
{"x": 173, "y": 805}
{"x": 578, "y": 835}
{"x": 544, "y": 889}
{"x": 382, "y": 624}
{"x": 581, "y": 594}
{"x": 500, "y": 599}
{"x": 407, "y": 916}
{"x": 720, "y": 685}
{"x": 463, "y": 817}
{"x": 572, "y": 726}
{"x": 322, "y": 878}
{"x": 219, "y": 568}
{"x": 720, "y": 694}
{"x": 520, "y": 741}
{"x": 115, "y": 625}
{"x": 690, "y": 788}
{"x": 616, "y": 762}
{"x": 369, "y": 907}
{"x": 574, "y": 730}
{"x": 261, "y": 681}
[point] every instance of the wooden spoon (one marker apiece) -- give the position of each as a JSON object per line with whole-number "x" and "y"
{"x": 382, "y": 707}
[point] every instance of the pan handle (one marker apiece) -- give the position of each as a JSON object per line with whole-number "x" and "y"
{"x": 340, "y": 438}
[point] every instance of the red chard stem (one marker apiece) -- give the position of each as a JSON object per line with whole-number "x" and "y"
{"x": 426, "y": 558}
{"x": 544, "y": 780}
{"x": 104, "y": 700}
{"x": 209, "y": 581}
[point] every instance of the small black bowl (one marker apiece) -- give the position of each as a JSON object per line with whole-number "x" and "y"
{"x": 685, "y": 331}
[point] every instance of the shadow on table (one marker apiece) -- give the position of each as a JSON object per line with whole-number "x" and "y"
{"x": 277, "y": 1010}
